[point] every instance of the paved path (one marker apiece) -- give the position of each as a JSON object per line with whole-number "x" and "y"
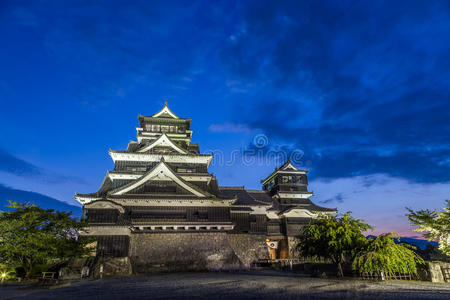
{"x": 250, "y": 285}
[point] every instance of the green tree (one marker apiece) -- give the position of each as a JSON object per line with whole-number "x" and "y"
{"x": 338, "y": 238}
{"x": 435, "y": 223}
{"x": 6, "y": 272}
{"x": 383, "y": 254}
{"x": 30, "y": 235}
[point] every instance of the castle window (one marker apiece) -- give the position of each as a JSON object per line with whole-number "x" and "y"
{"x": 153, "y": 128}
{"x": 285, "y": 179}
{"x": 290, "y": 179}
{"x": 137, "y": 169}
{"x": 202, "y": 214}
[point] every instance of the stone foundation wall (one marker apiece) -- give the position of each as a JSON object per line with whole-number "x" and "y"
{"x": 292, "y": 243}
{"x": 113, "y": 266}
{"x": 437, "y": 271}
{"x": 73, "y": 269}
{"x": 249, "y": 247}
{"x": 165, "y": 252}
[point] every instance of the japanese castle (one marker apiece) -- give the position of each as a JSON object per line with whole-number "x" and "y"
{"x": 162, "y": 209}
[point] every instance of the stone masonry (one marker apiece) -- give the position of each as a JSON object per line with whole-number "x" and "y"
{"x": 249, "y": 248}
{"x": 162, "y": 252}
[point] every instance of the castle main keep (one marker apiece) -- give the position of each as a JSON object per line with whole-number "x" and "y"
{"x": 161, "y": 208}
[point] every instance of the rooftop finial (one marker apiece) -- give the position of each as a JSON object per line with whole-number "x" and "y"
{"x": 165, "y": 102}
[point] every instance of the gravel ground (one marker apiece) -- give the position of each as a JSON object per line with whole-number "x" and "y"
{"x": 245, "y": 285}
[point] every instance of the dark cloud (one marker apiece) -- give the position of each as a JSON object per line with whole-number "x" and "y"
{"x": 338, "y": 199}
{"x": 359, "y": 88}
{"x": 14, "y": 165}
{"x": 108, "y": 43}
{"x": 17, "y": 166}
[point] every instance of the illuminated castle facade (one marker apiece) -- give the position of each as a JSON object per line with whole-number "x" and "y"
{"x": 161, "y": 208}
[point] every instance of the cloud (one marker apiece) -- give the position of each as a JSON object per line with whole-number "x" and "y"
{"x": 338, "y": 199}
{"x": 17, "y": 166}
{"x": 229, "y": 127}
{"x": 382, "y": 203}
{"x": 342, "y": 150}
{"x": 360, "y": 89}
{"x": 110, "y": 46}
{"x": 14, "y": 165}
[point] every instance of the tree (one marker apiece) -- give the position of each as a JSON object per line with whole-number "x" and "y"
{"x": 432, "y": 253}
{"x": 382, "y": 254}
{"x": 30, "y": 235}
{"x": 6, "y": 272}
{"x": 435, "y": 223}
{"x": 338, "y": 238}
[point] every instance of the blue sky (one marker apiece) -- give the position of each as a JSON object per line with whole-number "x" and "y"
{"x": 356, "y": 92}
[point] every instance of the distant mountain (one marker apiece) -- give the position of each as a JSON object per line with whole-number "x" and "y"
{"x": 35, "y": 198}
{"x": 422, "y": 244}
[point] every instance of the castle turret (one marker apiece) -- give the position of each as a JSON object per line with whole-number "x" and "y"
{"x": 288, "y": 184}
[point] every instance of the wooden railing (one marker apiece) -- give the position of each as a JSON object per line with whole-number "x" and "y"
{"x": 48, "y": 275}
{"x": 386, "y": 276}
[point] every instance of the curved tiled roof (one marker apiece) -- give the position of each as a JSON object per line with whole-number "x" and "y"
{"x": 246, "y": 197}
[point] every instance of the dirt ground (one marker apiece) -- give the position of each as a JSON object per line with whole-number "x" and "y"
{"x": 243, "y": 285}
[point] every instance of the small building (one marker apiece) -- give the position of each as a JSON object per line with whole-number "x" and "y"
{"x": 161, "y": 208}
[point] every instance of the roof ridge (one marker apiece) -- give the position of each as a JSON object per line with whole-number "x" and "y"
{"x": 155, "y": 142}
{"x": 192, "y": 186}
{"x": 259, "y": 201}
{"x": 231, "y": 188}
